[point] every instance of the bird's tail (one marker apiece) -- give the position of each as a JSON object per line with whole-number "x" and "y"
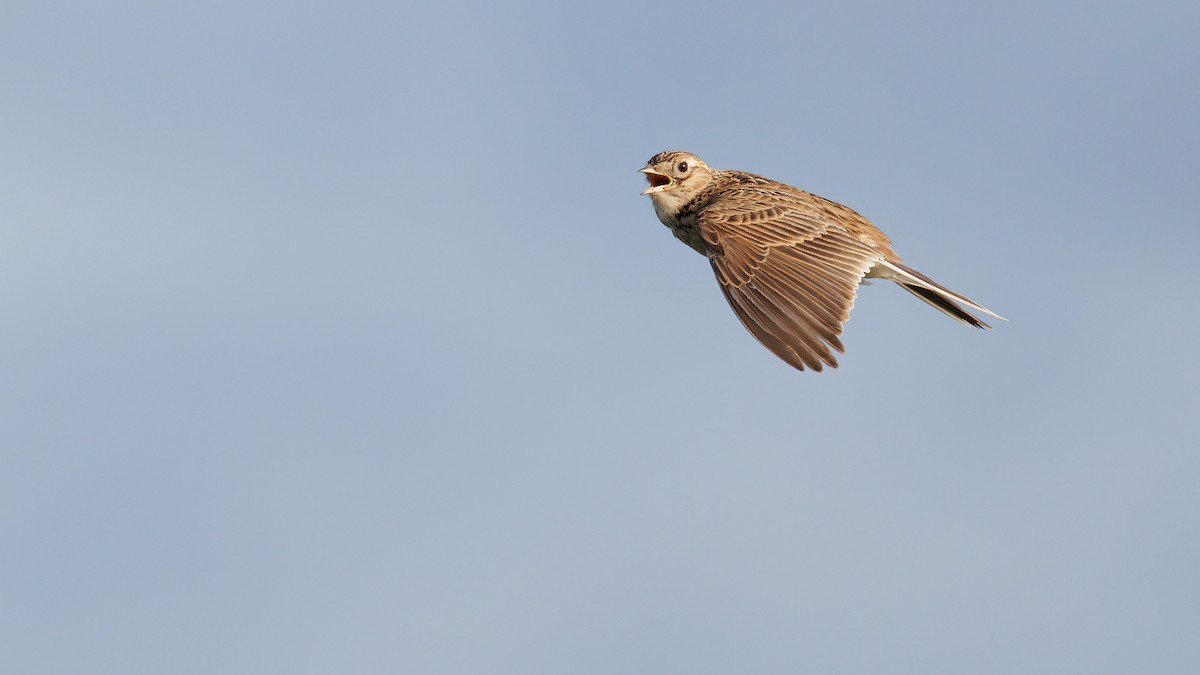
{"x": 944, "y": 299}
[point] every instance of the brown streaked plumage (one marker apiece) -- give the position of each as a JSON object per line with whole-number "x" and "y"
{"x": 789, "y": 262}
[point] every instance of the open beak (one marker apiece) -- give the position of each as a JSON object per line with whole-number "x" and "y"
{"x": 658, "y": 181}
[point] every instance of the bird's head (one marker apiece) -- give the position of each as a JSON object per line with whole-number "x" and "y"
{"x": 675, "y": 177}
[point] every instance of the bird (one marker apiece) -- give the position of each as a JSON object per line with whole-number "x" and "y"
{"x": 788, "y": 261}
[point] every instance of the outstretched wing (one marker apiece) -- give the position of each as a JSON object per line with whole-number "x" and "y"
{"x": 788, "y": 271}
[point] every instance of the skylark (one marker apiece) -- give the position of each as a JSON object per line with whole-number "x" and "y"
{"x": 789, "y": 262}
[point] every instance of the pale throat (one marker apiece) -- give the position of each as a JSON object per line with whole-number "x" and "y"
{"x": 667, "y": 205}
{"x": 668, "y": 208}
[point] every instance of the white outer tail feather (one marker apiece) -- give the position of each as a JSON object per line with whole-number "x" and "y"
{"x": 906, "y": 276}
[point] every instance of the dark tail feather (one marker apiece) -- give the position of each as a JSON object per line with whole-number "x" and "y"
{"x": 947, "y": 307}
{"x": 944, "y": 299}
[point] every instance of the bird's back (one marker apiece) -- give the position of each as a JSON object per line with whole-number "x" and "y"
{"x": 740, "y": 189}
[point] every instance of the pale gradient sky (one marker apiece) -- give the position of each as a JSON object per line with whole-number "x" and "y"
{"x": 337, "y": 338}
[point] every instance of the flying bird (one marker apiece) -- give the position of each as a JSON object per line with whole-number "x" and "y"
{"x": 789, "y": 262}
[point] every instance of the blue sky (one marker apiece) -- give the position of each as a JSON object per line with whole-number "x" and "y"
{"x": 338, "y": 339}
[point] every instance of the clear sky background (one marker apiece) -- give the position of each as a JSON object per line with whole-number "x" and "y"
{"x": 337, "y": 338}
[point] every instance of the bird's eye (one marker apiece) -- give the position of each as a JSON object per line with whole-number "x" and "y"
{"x": 683, "y": 167}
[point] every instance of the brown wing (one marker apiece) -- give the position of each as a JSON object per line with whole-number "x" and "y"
{"x": 788, "y": 270}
